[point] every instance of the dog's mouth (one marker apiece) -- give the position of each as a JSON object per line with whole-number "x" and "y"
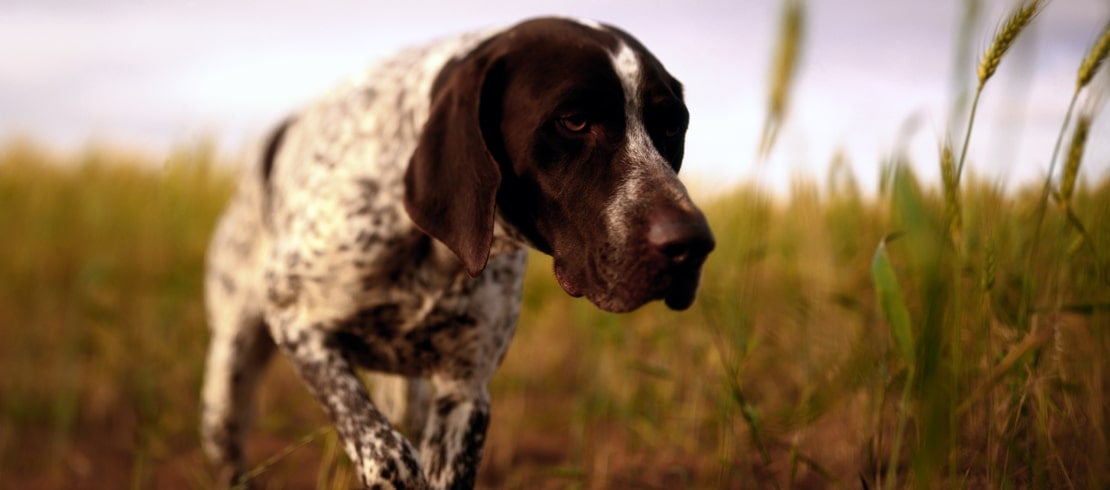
{"x": 684, "y": 288}
{"x": 565, "y": 282}
{"x": 633, "y": 287}
{"x": 655, "y": 254}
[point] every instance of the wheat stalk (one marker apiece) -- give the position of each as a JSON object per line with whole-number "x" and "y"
{"x": 245, "y": 479}
{"x": 1087, "y": 69}
{"x": 1096, "y": 55}
{"x": 951, "y": 192}
{"x": 1018, "y": 20}
{"x": 786, "y": 57}
{"x": 1067, "y": 184}
{"x": 1094, "y": 59}
{"x": 782, "y": 73}
{"x": 1075, "y": 156}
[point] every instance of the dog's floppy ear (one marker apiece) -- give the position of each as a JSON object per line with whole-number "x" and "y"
{"x": 452, "y": 179}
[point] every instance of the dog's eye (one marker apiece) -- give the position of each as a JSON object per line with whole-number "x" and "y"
{"x": 575, "y": 123}
{"x": 672, "y": 127}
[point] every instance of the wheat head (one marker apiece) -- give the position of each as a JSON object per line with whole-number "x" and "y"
{"x": 1094, "y": 59}
{"x": 1018, "y": 20}
{"x": 1075, "y": 156}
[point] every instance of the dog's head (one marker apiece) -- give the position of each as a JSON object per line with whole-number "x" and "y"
{"x": 574, "y": 133}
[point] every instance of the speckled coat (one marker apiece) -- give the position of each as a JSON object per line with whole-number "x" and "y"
{"x": 319, "y": 256}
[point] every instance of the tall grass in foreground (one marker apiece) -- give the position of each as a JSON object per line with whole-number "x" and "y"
{"x": 936, "y": 392}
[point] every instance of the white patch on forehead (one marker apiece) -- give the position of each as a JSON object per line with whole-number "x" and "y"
{"x": 627, "y": 65}
{"x": 638, "y": 146}
{"x": 638, "y": 151}
{"x": 593, "y": 24}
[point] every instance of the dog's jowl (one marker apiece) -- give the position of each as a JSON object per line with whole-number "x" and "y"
{"x": 384, "y": 227}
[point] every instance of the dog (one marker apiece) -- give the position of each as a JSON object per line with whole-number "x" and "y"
{"x": 384, "y": 227}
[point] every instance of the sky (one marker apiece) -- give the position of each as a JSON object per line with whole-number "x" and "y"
{"x": 875, "y": 75}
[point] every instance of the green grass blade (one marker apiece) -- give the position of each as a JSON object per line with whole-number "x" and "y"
{"x": 892, "y": 301}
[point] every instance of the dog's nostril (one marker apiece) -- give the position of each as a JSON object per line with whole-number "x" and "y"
{"x": 677, "y": 252}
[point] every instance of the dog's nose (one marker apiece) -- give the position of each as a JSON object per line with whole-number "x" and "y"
{"x": 682, "y": 237}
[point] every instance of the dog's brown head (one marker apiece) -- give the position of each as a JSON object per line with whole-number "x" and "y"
{"x": 574, "y": 133}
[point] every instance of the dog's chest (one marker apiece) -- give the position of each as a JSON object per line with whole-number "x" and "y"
{"x": 423, "y": 321}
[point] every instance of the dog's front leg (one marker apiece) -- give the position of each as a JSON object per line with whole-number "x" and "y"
{"x": 456, "y": 431}
{"x": 380, "y": 454}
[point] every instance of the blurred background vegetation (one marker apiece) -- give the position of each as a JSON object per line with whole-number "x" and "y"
{"x": 919, "y": 336}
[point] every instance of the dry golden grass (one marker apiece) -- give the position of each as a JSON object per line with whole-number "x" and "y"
{"x": 784, "y": 373}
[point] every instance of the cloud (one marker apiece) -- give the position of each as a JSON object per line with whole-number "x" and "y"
{"x": 154, "y": 73}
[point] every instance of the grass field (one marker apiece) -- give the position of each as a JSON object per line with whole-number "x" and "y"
{"x": 928, "y": 336}
{"x": 784, "y": 372}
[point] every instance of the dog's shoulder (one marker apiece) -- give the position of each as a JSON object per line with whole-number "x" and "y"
{"x": 328, "y": 183}
{"x": 368, "y": 125}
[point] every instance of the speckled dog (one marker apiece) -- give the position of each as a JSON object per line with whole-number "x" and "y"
{"x": 384, "y": 227}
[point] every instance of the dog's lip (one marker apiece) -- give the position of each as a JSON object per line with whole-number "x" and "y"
{"x": 677, "y": 288}
{"x": 681, "y": 295}
{"x": 565, "y": 282}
